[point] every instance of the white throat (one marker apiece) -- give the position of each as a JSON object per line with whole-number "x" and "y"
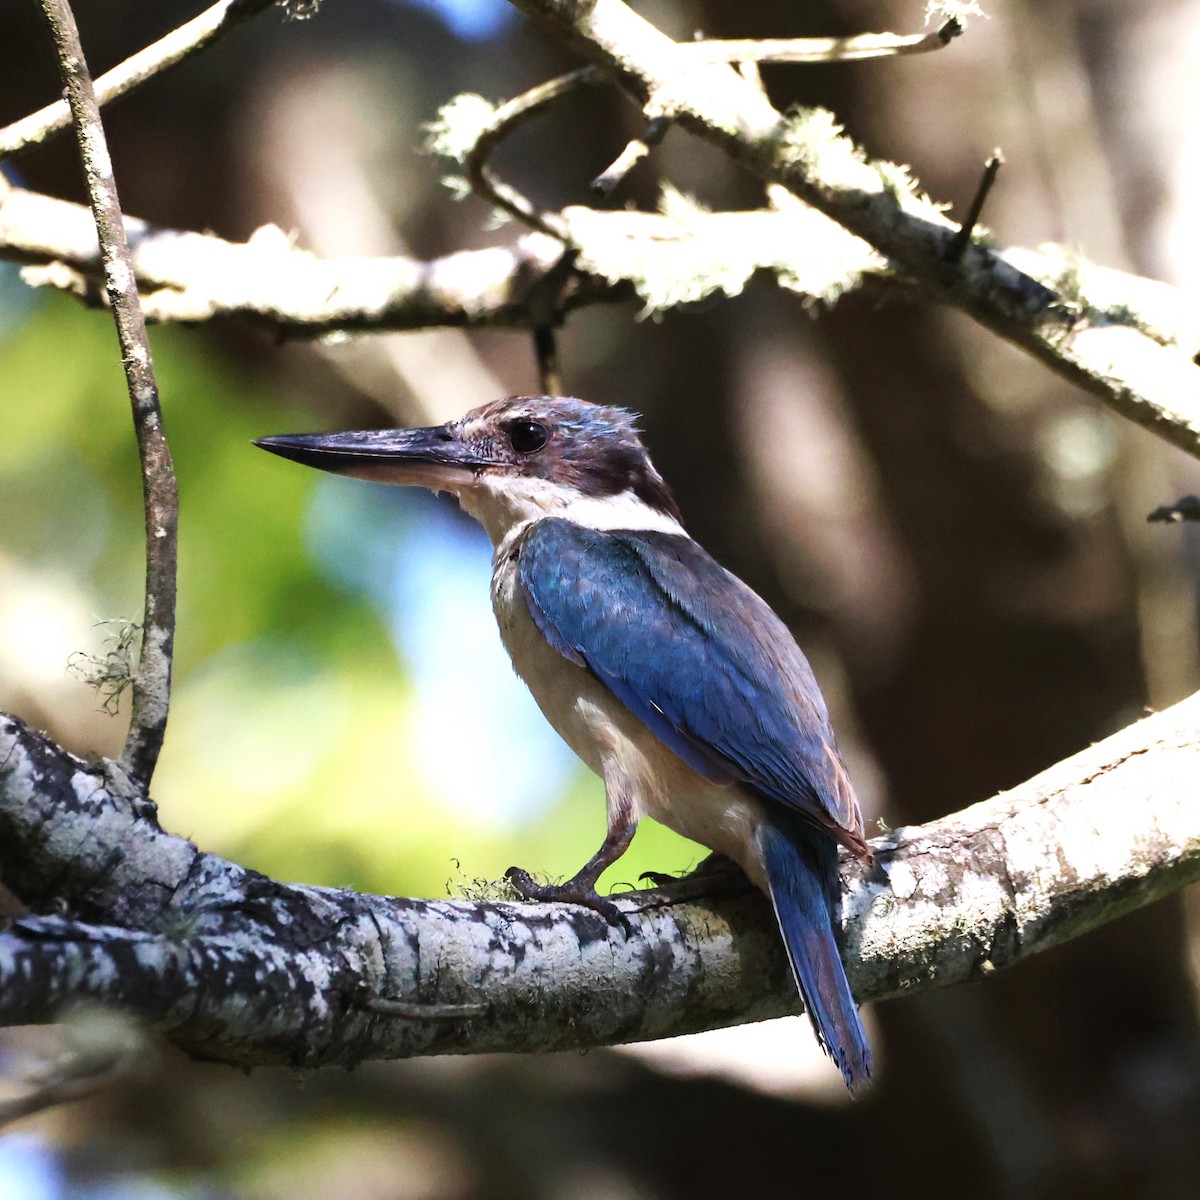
{"x": 506, "y": 505}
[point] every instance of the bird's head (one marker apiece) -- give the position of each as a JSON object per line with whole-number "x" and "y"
{"x": 510, "y": 462}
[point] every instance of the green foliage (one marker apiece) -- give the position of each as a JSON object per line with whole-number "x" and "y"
{"x": 287, "y": 747}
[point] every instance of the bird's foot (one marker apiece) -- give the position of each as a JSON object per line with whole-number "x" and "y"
{"x": 579, "y": 890}
{"x": 660, "y": 879}
{"x": 716, "y": 873}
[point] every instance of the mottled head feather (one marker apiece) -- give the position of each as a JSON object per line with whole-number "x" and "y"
{"x": 589, "y": 447}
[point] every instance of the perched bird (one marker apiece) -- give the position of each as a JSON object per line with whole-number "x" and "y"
{"x": 666, "y": 674}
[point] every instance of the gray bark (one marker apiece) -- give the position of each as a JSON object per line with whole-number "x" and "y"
{"x": 236, "y": 967}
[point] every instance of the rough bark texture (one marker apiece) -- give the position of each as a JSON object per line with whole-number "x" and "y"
{"x": 193, "y": 277}
{"x": 1112, "y": 352}
{"x": 239, "y": 968}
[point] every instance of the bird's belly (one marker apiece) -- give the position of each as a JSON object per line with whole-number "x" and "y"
{"x": 584, "y": 712}
{"x": 653, "y": 780}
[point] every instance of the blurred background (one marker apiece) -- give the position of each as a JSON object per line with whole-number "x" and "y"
{"x": 957, "y": 538}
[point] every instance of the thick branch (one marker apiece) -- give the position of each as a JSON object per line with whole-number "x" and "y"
{"x": 195, "y": 277}
{"x": 239, "y": 968}
{"x": 152, "y": 680}
{"x": 1106, "y": 352}
{"x": 681, "y": 255}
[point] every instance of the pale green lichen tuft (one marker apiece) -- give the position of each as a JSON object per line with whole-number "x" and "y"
{"x": 458, "y": 126}
{"x": 299, "y": 10}
{"x": 901, "y": 184}
{"x": 688, "y": 255}
{"x": 897, "y": 178}
{"x": 478, "y": 888}
{"x": 1082, "y": 296}
{"x": 939, "y": 11}
{"x": 109, "y": 673}
{"x": 458, "y": 186}
{"x": 814, "y": 140}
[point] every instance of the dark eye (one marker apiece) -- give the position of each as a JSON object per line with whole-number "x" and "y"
{"x": 527, "y": 437}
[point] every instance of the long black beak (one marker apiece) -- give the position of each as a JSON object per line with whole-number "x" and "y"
{"x": 434, "y": 457}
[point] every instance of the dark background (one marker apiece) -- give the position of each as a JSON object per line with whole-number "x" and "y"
{"x": 957, "y": 537}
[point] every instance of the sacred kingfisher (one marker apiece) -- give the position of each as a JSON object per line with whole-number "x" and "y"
{"x": 666, "y": 674}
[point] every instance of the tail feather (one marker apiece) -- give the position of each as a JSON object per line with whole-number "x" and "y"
{"x": 801, "y": 868}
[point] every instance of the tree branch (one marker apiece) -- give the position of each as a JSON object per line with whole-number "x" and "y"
{"x": 821, "y": 50}
{"x": 152, "y": 679}
{"x": 239, "y": 968}
{"x": 1105, "y": 351}
{"x": 178, "y": 46}
{"x": 681, "y": 255}
{"x": 195, "y": 277}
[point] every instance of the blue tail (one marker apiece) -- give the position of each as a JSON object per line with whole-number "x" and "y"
{"x": 801, "y": 867}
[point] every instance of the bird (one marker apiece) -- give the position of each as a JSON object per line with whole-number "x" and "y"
{"x": 666, "y": 674}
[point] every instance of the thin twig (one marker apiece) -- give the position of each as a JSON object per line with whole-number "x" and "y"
{"x": 1185, "y": 509}
{"x": 962, "y": 239}
{"x": 816, "y": 50}
{"x": 152, "y": 681}
{"x": 606, "y": 182}
{"x": 507, "y": 118}
{"x": 177, "y": 46}
{"x": 545, "y": 347}
{"x": 513, "y": 114}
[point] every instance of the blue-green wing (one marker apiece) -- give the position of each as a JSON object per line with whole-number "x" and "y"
{"x": 696, "y": 655}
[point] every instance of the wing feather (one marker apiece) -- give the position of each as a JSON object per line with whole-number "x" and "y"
{"x": 697, "y": 656}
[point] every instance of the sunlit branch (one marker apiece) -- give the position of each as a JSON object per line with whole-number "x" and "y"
{"x": 819, "y": 50}
{"x": 196, "y": 277}
{"x": 1106, "y": 351}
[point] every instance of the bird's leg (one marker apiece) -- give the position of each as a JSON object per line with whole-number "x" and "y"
{"x": 581, "y": 887}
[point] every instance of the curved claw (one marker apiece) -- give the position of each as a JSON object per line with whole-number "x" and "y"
{"x": 574, "y": 891}
{"x": 714, "y": 875}
{"x": 660, "y": 879}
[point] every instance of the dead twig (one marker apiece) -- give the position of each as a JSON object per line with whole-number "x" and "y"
{"x": 152, "y": 680}
{"x": 818, "y": 50}
{"x": 962, "y": 239}
{"x": 1185, "y": 509}
{"x": 606, "y": 182}
{"x": 545, "y": 347}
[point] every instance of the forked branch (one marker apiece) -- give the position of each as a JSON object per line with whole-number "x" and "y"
{"x": 1106, "y": 350}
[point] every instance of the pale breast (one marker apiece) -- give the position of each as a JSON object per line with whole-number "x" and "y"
{"x": 570, "y": 699}
{"x": 615, "y": 744}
